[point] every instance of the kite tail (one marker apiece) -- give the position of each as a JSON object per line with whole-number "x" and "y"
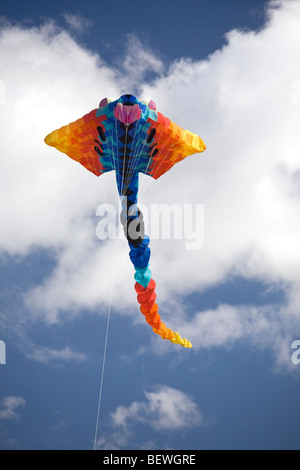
{"x": 132, "y": 221}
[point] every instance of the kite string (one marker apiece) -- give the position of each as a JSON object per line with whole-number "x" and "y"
{"x": 105, "y": 349}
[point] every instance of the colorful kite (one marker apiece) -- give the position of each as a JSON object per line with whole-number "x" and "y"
{"x": 130, "y": 137}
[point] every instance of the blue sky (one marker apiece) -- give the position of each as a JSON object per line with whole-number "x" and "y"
{"x": 229, "y": 72}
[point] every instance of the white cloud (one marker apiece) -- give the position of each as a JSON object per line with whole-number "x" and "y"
{"x": 164, "y": 409}
{"x": 138, "y": 61}
{"x": 46, "y": 355}
{"x": 114, "y": 441}
{"x": 9, "y": 407}
{"x": 77, "y": 23}
{"x": 41, "y": 197}
{"x": 241, "y": 100}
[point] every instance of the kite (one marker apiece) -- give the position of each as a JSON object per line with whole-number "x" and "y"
{"x": 130, "y": 137}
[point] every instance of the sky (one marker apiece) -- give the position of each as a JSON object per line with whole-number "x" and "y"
{"x": 229, "y": 72}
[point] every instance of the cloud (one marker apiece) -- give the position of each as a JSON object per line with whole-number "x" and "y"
{"x": 242, "y": 100}
{"x": 37, "y": 100}
{"x": 76, "y": 23}
{"x": 45, "y": 355}
{"x": 164, "y": 409}
{"x": 9, "y": 407}
{"x": 10, "y": 412}
{"x": 138, "y": 62}
{"x": 243, "y": 106}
